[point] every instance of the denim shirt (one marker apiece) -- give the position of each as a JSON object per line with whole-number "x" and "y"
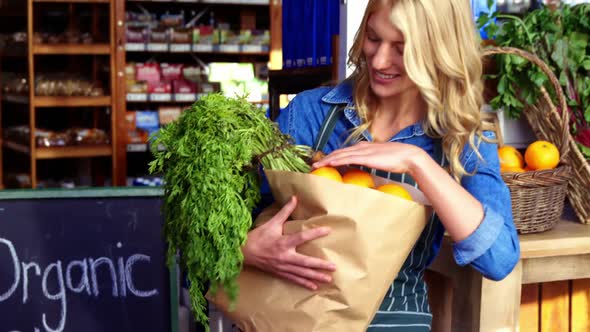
{"x": 493, "y": 248}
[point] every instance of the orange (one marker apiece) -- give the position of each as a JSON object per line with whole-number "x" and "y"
{"x": 510, "y": 157}
{"x": 512, "y": 169}
{"x": 395, "y": 190}
{"x": 328, "y": 172}
{"x": 541, "y": 155}
{"x": 358, "y": 177}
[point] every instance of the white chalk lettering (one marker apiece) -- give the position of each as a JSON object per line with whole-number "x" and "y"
{"x": 128, "y": 271}
{"x": 100, "y": 261}
{"x": 60, "y": 295}
{"x": 26, "y": 267}
{"x": 122, "y": 281}
{"x": 84, "y": 282}
{"x": 56, "y": 281}
{"x": 14, "y": 257}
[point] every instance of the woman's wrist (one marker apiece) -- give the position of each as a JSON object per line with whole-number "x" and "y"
{"x": 249, "y": 257}
{"x": 418, "y": 162}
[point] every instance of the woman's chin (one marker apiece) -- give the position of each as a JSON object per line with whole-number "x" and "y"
{"x": 381, "y": 91}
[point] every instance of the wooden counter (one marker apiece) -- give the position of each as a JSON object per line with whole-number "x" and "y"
{"x": 462, "y": 300}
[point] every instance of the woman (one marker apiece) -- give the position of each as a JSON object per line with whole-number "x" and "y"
{"x": 413, "y": 103}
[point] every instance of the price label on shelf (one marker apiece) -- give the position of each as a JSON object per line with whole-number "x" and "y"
{"x": 160, "y": 97}
{"x": 135, "y": 47}
{"x": 180, "y": 47}
{"x": 202, "y": 48}
{"x": 252, "y": 48}
{"x": 229, "y": 48}
{"x": 137, "y": 97}
{"x": 137, "y": 147}
{"x": 157, "y": 47}
{"x": 185, "y": 97}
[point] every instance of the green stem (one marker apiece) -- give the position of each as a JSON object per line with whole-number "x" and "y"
{"x": 521, "y": 22}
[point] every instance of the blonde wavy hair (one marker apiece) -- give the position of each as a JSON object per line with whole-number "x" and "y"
{"x": 442, "y": 57}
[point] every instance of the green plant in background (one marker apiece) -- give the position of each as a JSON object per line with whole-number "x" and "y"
{"x": 211, "y": 182}
{"x": 561, "y": 38}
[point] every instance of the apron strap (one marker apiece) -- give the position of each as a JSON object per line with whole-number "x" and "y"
{"x": 328, "y": 127}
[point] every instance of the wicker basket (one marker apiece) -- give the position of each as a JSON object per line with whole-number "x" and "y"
{"x": 538, "y": 196}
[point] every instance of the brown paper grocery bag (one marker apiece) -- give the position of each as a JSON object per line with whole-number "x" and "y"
{"x": 372, "y": 235}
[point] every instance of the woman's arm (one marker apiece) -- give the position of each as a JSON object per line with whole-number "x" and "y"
{"x": 266, "y": 247}
{"x": 269, "y": 250}
{"x": 476, "y": 213}
{"x": 458, "y": 210}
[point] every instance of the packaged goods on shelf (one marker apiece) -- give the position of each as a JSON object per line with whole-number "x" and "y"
{"x": 17, "y": 180}
{"x": 13, "y": 41}
{"x": 132, "y": 133}
{"x": 71, "y": 136}
{"x": 50, "y": 138}
{"x": 145, "y": 32}
{"x": 66, "y": 37}
{"x": 17, "y": 134}
{"x": 147, "y": 181}
{"x": 66, "y": 85}
{"x": 168, "y": 114}
{"x": 14, "y": 83}
{"x": 139, "y": 125}
{"x": 162, "y": 82}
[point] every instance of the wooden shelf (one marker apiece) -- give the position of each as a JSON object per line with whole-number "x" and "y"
{"x": 76, "y": 49}
{"x": 16, "y": 147}
{"x": 84, "y": 151}
{"x": 72, "y": 101}
{"x": 17, "y": 99}
{"x": 73, "y": 1}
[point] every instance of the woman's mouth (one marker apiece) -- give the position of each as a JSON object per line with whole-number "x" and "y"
{"x": 384, "y": 78}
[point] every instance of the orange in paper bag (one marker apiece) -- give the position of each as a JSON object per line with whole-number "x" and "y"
{"x": 372, "y": 235}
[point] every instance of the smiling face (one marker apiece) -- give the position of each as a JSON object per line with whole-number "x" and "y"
{"x": 383, "y": 48}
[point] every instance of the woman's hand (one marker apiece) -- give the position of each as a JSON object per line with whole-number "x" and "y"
{"x": 271, "y": 251}
{"x": 390, "y": 156}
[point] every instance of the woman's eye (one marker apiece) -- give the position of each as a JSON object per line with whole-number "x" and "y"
{"x": 373, "y": 38}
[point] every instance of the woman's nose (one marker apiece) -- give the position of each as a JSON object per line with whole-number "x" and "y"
{"x": 383, "y": 57}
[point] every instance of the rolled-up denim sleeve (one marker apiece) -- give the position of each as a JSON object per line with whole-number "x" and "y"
{"x": 493, "y": 248}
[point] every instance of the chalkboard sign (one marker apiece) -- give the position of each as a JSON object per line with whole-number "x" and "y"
{"x": 84, "y": 260}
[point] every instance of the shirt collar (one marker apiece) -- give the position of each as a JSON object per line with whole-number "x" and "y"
{"x": 342, "y": 94}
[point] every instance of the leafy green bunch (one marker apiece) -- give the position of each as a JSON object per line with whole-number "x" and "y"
{"x": 210, "y": 165}
{"x": 561, "y": 38}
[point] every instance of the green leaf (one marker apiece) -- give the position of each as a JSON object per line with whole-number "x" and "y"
{"x": 578, "y": 40}
{"x": 490, "y": 4}
{"x": 502, "y": 85}
{"x": 563, "y": 79}
{"x": 539, "y": 79}
{"x": 585, "y": 150}
{"x": 482, "y": 20}
{"x": 559, "y": 55}
{"x": 517, "y": 60}
{"x": 586, "y": 64}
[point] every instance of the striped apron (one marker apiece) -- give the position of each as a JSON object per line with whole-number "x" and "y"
{"x": 405, "y": 305}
